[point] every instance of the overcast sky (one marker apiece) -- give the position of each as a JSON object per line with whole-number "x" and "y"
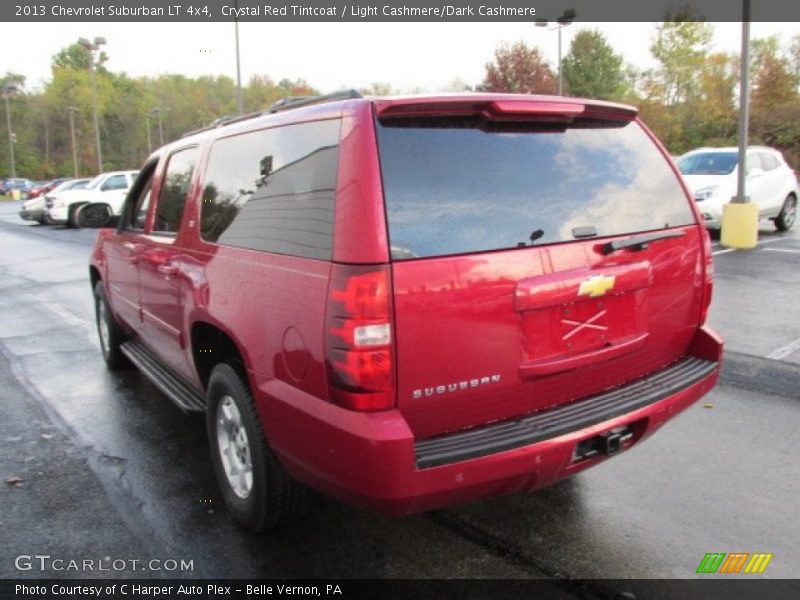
{"x": 330, "y": 56}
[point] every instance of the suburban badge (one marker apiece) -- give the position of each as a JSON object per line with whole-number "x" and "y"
{"x": 455, "y": 387}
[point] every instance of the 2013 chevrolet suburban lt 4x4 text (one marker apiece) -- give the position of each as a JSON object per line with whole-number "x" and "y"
{"x": 411, "y": 302}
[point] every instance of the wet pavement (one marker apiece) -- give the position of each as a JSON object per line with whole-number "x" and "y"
{"x": 110, "y": 468}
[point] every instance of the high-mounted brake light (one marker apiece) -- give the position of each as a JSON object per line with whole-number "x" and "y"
{"x": 359, "y": 351}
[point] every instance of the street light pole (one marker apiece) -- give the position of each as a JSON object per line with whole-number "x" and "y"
{"x": 739, "y": 224}
{"x": 9, "y": 89}
{"x": 239, "y": 105}
{"x": 744, "y": 106}
{"x": 72, "y": 110}
{"x": 560, "y": 74}
{"x": 565, "y": 19}
{"x": 92, "y": 48}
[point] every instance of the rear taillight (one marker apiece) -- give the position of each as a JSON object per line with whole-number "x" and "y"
{"x": 708, "y": 276}
{"x": 358, "y": 334}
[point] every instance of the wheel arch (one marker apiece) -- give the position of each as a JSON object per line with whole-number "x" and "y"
{"x": 211, "y": 345}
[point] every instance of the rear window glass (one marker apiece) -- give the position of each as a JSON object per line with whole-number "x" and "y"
{"x": 273, "y": 190}
{"x": 454, "y": 188}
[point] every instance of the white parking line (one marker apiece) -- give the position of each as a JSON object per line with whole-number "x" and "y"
{"x": 761, "y": 243}
{"x": 782, "y": 250}
{"x": 773, "y": 241}
{"x": 785, "y": 351}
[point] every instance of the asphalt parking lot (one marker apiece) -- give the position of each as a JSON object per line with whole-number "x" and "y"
{"x": 101, "y": 465}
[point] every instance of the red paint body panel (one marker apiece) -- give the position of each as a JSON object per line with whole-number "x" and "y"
{"x": 513, "y": 320}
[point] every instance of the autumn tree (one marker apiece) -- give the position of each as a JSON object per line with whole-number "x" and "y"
{"x": 775, "y": 103}
{"x": 378, "y": 88}
{"x": 592, "y": 69}
{"x": 518, "y": 68}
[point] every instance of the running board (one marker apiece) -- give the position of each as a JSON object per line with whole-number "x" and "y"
{"x": 163, "y": 378}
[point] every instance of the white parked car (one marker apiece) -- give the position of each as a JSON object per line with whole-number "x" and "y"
{"x": 711, "y": 174}
{"x": 107, "y": 189}
{"x": 34, "y": 209}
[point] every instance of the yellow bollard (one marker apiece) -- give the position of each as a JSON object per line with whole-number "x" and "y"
{"x": 739, "y": 225}
{"x": 15, "y": 195}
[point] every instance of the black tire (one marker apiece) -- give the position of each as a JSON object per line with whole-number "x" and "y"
{"x": 110, "y": 344}
{"x": 93, "y": 215}
{"x": 273, "y": 498}
{"x": 72, "y": 214}
{"x": 785, "y": 220}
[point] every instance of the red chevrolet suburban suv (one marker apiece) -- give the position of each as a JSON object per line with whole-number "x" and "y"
{"x": 411, "y": 302}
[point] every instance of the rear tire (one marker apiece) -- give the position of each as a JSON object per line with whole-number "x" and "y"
{"x": 788, "y": 214}
{"x": 72, "y": 214}
{"x": 258, "y": 492}
{"x": 109, "y": 331}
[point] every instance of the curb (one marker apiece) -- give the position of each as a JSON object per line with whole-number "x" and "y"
{"x": 760, "y": 374}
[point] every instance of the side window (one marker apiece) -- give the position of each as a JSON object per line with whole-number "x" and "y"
{"x": 115, "y": 182}
{"x": 273, "y": 190}
{"x": 134, "y": 212}
{"x": 140, "y": 209}
{"x": 178, "y": 176}
{"x": 769, "y": 161}
{"x": 754, "y": 162}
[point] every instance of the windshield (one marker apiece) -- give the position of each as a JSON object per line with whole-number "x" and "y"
{"x": 708, "y": 163}
{"x": 455, "y": 188}
{"x": 94, "y": 182}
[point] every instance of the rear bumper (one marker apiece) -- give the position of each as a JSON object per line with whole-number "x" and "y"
{"x": 57, "y": 215}
{"x": 373, "y": 460}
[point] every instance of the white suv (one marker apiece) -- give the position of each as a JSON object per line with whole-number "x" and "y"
{"x": 711, "y": 175}
{"x": 106, "y": 189}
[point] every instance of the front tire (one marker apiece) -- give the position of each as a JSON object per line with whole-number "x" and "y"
{"x": 788, "y": 214}
{"x": 109, "y": 331}
{"x": 258, "y": 492}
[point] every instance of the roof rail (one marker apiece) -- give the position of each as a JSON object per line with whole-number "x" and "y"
{"x": 287, "y": 103}
{"x": 297, "y": 101}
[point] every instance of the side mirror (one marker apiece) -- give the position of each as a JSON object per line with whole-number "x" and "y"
{"x": 95, "y": 216}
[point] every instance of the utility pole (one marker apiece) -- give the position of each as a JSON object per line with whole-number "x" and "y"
{"x": 157, "y": 111}
{"x": 149, "y": 141}
{"x": 92, "y": 48}
{"x": 8, "y": 90}
{"x": 72, "y": 110}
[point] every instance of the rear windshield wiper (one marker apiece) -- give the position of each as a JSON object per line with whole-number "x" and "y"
{"x": 639, "y": 242}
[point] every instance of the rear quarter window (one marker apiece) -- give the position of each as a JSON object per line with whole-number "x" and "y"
{"x": 453, "y": 188}
{"x": 273, "y": 190}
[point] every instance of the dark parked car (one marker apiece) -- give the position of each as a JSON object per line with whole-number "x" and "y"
{"x": 22, "y": 185}
{"x": 411, "y": 302}
{"x": 42, "y": 187}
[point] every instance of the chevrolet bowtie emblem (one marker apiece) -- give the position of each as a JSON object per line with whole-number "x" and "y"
{"x": 596, "y": 286}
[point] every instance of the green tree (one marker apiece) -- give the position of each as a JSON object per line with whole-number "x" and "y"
{"x": 518, "y": 68}
{"x": 592, "y": 69}
{"x": 681, "y": 48}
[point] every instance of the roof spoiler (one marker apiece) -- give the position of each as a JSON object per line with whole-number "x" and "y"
{"x": 511, "y": 109}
